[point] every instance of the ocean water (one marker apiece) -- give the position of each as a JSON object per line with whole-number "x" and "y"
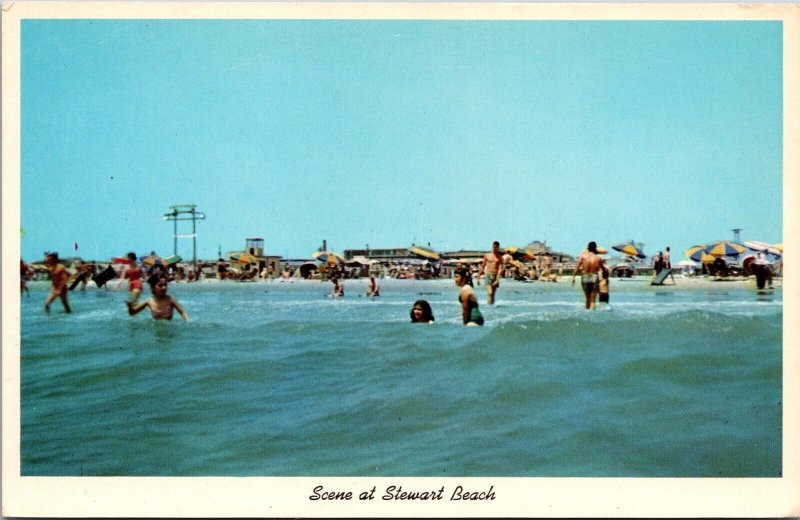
{"x": 275, "y": 379}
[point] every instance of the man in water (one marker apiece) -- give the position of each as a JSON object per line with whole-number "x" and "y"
{"x": 492, "y": 269}
{"x": 590, "y": 264}
{"x": 59, "y": 276}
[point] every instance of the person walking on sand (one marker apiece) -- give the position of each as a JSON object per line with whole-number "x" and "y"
{"x": 59, "y": 276}
{"x": 668, "y": 264}
{"x": 590, "y": 264}
{"x": 161, "y": 305}
{"x": 492, "y": 270}
{"x": 132, "y": 273}
{"x": 470, "y": 313}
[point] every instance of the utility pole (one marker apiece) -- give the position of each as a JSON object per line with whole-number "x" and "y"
{"x": 185, "y": 212}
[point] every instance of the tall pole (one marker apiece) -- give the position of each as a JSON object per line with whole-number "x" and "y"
{"x": 422, "y": 224}
{"x": 194, "y": 242}
{"x": 175, "y": 233}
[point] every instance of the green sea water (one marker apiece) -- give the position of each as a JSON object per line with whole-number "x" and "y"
{"x": 275, "y": 379}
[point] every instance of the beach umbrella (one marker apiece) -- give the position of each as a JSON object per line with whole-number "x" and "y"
{"x": 173, "y": 259}
{"x": 328, "y": 257}
{"x": 695, "y": 252}
{"x": 725, "y": 248}
{"x": 423, "y": 252}
{"x": 755, "y": 245}
{"x": 518, "y": 264}
{"x": 520, "y": 253}
{"x": 244, "y": 258}
{"x": 688, "y": 263}
{"x": 706, "y": 258}
{"x": 600, "y": 251}
{"x": 120, "y": 260}
{"x": 152, "y": 260}
{"x": 629, "y": 249}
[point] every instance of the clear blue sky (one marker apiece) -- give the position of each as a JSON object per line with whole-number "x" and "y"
{"x": 392, "y": 132}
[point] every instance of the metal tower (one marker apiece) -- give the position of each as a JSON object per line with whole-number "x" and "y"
{"x": 185, "y": 212}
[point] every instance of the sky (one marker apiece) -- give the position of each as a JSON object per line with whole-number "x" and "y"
{"x": 387, "y": 133}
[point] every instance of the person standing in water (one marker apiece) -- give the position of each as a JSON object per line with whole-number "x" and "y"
{"x": 470, "y": 313}
{"x": 132, "y": 273}
{"x": 161, "y": 305}
{"x": 590, "y": 264}
{"x": 372, "y": 288}
{"x": 25, "y": 274}
{"x": 59, "y": 276}
{"x": 492, "y": 270}
{"x": 338, "y": 288}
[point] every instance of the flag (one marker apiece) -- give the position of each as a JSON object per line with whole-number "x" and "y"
{"x": 76, "y": 246}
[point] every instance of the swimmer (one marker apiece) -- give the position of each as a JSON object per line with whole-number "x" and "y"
{"x": 602, "y": 288}
{"x": 470, "y": 314}
{"x": 338, "y": 288}
{"x": 421, "y": 312}
{"x": 161, "y": 304}
{"x": 25, "y": 274}
{"x": 372, "y": 288}
{"x": 59, "y": 276}
{"x": 133, "y": 273}
{"x": 590, "y": 264}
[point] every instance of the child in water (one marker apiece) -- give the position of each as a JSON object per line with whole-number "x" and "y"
{"x": 59, "y": 276}
{"x": 421, "y": 312}
{"x": 133, "y": 273}
{"x": 161, "y": 304}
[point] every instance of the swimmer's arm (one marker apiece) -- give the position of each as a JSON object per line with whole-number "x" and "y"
{"x": 464, "y": 307}
{"x": 133, "y": 310}
{"x": 179, "y": 309}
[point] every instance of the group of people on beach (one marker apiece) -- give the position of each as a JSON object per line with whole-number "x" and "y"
{"x": 594, "y": 281}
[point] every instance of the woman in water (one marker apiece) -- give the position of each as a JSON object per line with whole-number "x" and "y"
{"x": 421, "y": 312}
{"x": 161, "y": 304}
{"x": 133, "y": 273}
{"x": 470, "y": 314}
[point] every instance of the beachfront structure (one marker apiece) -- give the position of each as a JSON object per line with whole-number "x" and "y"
{"x": 253, "y": 256}
{"x": 392, "y": 254}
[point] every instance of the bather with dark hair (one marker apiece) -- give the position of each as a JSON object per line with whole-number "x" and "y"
{"x": 421, "y": 312}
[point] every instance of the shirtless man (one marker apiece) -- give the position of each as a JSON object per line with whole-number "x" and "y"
{"x": 590, "y": 264}
{"x": 59, "y": 276}
{"x": 492, "y": 269}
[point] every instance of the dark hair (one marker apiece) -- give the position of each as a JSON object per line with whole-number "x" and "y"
{"x": 154, "y": 279}
{"x": 132, "y": 256}
{"x": 496, "y": 243}
{"x": 427, "y": 312}
{"x": 592, "y": 247}
{"x": 465, "y": 274}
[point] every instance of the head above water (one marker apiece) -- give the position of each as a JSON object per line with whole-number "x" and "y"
{"x": 464, "y": 276}
{"x": 421, "y": 312}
